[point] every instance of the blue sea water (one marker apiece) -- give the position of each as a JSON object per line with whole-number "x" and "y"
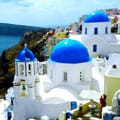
{"x": 8, "y": 41}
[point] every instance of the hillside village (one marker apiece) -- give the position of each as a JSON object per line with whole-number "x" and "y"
{"x": 42, "y": 44}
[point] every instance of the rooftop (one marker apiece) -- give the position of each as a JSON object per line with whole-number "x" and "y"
{"x": 70, "y": 51}
{"x": 96, "y": 16}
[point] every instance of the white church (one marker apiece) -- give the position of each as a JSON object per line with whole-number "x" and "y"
{"x": 97, "y": 36}
{"x": 69, "y": 71}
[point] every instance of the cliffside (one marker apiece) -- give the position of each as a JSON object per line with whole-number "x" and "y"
{"x": 16, "y": 30}
{"x": 35, "y": 42}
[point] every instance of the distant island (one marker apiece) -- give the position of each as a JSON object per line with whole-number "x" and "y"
{"x": 16, "y": 30}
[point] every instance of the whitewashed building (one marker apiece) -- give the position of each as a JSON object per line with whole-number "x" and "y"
{"x": 97, "y": 36}
{"x": 68, "y": 73}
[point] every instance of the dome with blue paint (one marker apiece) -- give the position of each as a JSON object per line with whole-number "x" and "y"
{"x": 25, "y": 55}
{"x": 96, "y": 16}
{"x": 69, "y": 51}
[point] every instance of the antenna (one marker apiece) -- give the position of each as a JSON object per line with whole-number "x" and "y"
{"x": 25, "y": 45}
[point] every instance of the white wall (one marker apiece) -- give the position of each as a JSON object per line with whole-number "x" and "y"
{"x": 118, "y": 25}
{"x": 106, "y": 43}
{"x": 100, "y": 25}
{"x": 73, "y": 72}
{"x": 101, "y": 46}
{"x": 28, "y": 80}
{"x": 25, "y": 108}
{"x": 115, "y": 47}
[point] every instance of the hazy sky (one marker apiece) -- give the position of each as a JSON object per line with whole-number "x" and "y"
{"x": 49, "y": 12}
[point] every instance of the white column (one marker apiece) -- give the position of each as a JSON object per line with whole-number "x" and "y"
{"x": 31, "y": 92}
{"x": 16, "y": 91}
{"x": 37, "y": 89}
{"x": 118, "y": 31}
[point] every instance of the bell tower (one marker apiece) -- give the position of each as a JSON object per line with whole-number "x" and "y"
{"x": 26, "y": 71}
{"x": 26, "y": 82}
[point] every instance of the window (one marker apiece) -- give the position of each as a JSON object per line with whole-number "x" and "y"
{"x": 106, "y": 30}
{"x": 94, "y": 48}
{"x": 65, "y": 76}
{"x": 21, "y": 69}
{"x": 85, "y": 30}
{"x": 29, "y": 69}
{"x": 51, "y": 74}
{"x": 95, "y": 31}
{"x": 35, "y": 68}
{"x": 81, "y": 76}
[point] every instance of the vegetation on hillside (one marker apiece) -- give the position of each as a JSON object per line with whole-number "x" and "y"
{"x": 35, "y": 42}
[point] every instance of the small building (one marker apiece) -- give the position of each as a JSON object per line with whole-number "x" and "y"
{"x": 52, "y": 41}
{"x": 59, "y": 88}
{"x": 111, "y": 82}
{"x": 59, "y": 36}
{"x": 97, "y": 36}
{"x": 69, "y": 71}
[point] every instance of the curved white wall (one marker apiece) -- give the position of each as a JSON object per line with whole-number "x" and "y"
{"x": 73, "y": 72}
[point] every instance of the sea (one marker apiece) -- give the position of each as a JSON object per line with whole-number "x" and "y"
{"x": 8, "y": 41}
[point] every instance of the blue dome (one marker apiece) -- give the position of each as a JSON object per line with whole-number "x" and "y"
{"x": 96, "y": 16}
{"x": 25, "y": 55}
{"x": 69, "y": 51}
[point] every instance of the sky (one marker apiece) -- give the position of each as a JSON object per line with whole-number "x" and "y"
{"x": 49, "y": 12}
